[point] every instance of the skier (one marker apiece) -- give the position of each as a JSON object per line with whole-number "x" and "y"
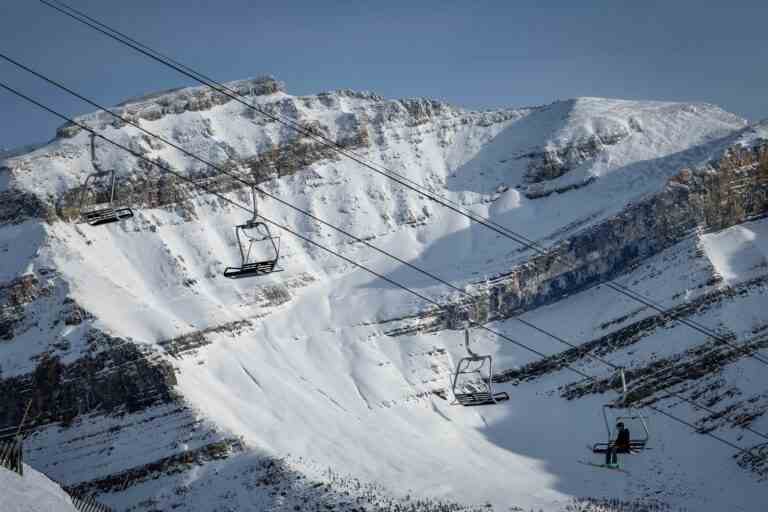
{"x": 621, "y": 445}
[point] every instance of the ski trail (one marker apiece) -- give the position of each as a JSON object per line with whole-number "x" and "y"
{"x": 250, "y": 376}
{"x": 362, "y": 397}
{"x": 331, "y": 399}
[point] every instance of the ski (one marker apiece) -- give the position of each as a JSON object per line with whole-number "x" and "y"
{"x": 603, "y": 466}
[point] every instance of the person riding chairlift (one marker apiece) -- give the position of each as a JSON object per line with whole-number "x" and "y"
{"x": 621, "y": 445}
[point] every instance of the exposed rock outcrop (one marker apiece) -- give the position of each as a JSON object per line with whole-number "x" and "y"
{"x": 549, "y": 164}
{"x": 113, "y": 376}
{"x": 731, "y": 191}
{"x": 160, "y": 105}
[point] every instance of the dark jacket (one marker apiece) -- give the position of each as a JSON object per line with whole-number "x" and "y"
{"x": 622, "y": 440}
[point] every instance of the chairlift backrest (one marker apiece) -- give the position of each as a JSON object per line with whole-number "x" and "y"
{"x": 98, "y": 189}
{"x": 636, "y": 423}
{"x": 247, "y": 240}
{"x": 257, "y": 231}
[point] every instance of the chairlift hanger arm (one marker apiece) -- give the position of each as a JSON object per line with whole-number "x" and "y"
{"x": 466, "y": 343}
{"x": 255, "y": 203}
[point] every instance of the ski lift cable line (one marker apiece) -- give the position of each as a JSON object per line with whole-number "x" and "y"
{"x": 336, "y": 228}
{"x": 224, "y": 198}
{"x": 378, "y": 168}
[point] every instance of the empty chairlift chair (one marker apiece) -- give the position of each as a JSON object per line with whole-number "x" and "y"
{"x": 97, "y": 200}
{"x": 473, "y": 380}
{"x": 252, "y": 236}
{"x": 635, "y": 422}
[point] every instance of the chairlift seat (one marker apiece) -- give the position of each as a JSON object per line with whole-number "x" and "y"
{"x": 252, "y": 269}
{"x": 105, "y": 215}
{"x": 635, "y": 445}
{"x": 483, "y": 398}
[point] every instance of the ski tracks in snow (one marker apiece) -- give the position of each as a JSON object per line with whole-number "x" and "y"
{"x": 250, "y": 376}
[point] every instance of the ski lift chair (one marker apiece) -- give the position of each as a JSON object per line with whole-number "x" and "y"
{"x": 254, "y": 233}
{"x": 97, "y": 200}
{"x": 637, "y": 443}
{"x": 470, "y": 386}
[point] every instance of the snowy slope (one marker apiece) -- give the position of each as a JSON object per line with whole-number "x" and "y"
{"x": 32, "y": 492}
{"x": 739, "y": 252}
{"x": 595, "y": 137}
{"x": 310, "y": 375}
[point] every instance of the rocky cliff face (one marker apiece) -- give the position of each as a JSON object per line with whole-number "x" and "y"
{"x": 354, "y": 121}
{"x": 81, "y": 370}
{"x": 551, "y": 163}
{"x": 722, "y": 194}
{"x": 597, "y": 255}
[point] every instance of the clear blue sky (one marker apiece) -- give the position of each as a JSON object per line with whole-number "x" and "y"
{"x": 473, "y": 53}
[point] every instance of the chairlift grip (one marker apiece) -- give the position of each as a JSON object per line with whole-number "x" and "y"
{"x": 255, "y": 203}
{"x": 623, "y": 385}
{"x": 466, "y": 343}
{"x": 112, "y": 190}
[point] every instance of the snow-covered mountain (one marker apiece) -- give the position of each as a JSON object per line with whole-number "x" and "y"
{"x": 157, "y": 383}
